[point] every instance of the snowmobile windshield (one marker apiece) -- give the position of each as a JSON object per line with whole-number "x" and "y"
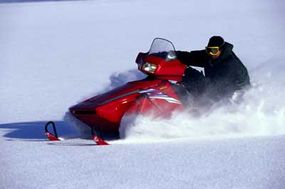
{"x": 162, "y": 48}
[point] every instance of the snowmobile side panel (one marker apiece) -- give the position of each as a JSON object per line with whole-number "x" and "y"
{"x": 104, "y": 112}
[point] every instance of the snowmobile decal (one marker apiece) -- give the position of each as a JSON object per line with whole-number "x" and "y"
{"x": 156, "y": 94}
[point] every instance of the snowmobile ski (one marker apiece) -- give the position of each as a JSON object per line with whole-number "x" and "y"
{"x": 97, "y": 139}
{"x": 51, "y": 136}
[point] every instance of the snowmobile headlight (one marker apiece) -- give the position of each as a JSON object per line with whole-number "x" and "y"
{"x": 149, "y": 67}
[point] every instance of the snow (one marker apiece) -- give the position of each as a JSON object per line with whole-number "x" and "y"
{"x": 55, "y": 54}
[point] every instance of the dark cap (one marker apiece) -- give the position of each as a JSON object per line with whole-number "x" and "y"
{"x": 216, "y": 41}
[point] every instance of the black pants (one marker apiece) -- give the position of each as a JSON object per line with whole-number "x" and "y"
{"x": 195, "y": 82}
{"x": 203, "y": 91}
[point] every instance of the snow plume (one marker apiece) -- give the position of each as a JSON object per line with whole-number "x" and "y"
{"x": 261, "y": 113}
{"x": 118, "y": 79}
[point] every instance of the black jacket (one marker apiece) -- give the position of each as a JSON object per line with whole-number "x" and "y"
{"x": 224, "y": 75}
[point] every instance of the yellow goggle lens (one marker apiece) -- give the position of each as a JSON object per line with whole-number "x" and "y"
{"x": 212, "y": 50}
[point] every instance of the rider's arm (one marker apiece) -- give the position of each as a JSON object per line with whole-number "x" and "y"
{"x": 193, "y": 58}
{"x": 241, "y": 78}
{"x": 240, "y": 74}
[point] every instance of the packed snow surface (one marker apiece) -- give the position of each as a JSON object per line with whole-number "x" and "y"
{"x": 56, "y": 54}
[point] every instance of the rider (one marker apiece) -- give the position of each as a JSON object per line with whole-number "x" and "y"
{"x": 224, "y": 72}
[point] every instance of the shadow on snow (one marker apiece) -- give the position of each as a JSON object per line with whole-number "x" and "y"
{"x": 33, "y": 130}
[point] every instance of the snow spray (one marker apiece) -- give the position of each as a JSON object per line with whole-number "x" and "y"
{"x": 261, "y": 113}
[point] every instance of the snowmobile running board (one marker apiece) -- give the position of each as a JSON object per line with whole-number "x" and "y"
{"x": 52, "y": 136}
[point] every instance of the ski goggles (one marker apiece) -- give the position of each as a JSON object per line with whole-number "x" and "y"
{"x": 212, "y": 50}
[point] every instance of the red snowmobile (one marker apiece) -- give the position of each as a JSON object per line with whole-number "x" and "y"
{"x": 159, "y": 94}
